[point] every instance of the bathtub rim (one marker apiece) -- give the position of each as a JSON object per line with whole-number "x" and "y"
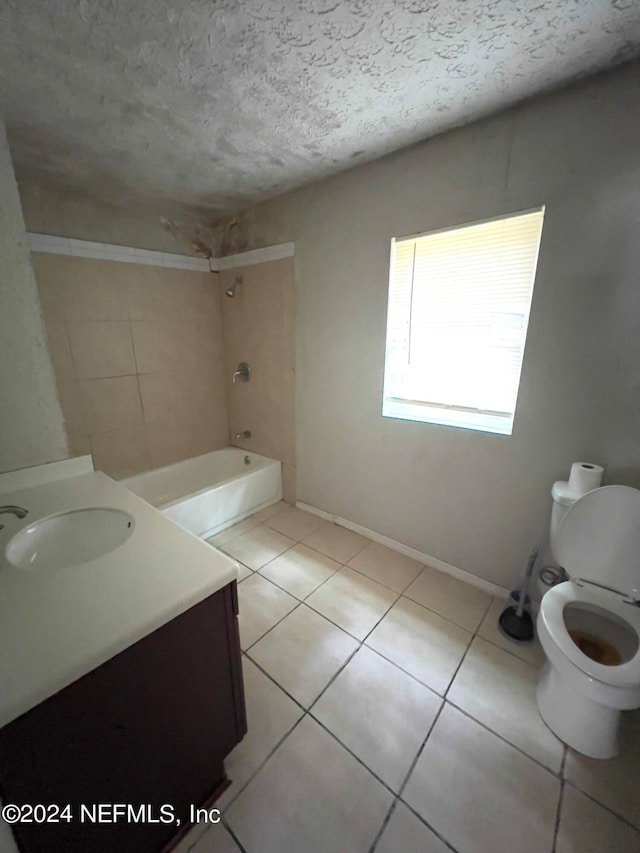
{"x": 204, "y": 489}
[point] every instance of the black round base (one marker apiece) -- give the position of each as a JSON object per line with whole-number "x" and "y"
{"x": 514, "y": 627}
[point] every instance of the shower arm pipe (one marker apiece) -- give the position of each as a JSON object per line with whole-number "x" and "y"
{"x": 231, "y": 291}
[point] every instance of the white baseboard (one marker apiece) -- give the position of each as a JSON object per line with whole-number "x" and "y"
{"x": 440, "y": 565}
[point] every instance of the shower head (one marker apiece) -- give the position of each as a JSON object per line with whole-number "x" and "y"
{"x": 231, "y": 291}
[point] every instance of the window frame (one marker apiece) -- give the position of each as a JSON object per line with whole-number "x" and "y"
{"x": 442, "y": 414}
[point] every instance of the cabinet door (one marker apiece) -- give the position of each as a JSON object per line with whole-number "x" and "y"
{"x": 150, "y": 726}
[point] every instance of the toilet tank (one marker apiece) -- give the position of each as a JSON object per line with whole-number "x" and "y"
{"x": 563, "y": 498}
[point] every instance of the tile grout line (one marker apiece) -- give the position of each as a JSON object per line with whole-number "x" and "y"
{"x": 231, "y": 833}
{"x": 482, "y": 724}
{"x": 357, "y": 639}
{"x": 399, "y": 594}
{"x": 308, "y": 711}
{"x": 556, "y": 828}
{"x": 318, "y": 551}
{"x": 438, "y": 835}
{"x": 275, "y": 625}
{"x": 361, "y": 643}
{"x": 589, "y": 796}
{"x": 268, "y": 756}
{"x": 385, "y": 823}
{"x": 412, "y": 767}
{"x": 519, "y": 749}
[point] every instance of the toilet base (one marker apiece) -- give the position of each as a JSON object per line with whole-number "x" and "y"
{"x": 586, "y": 726}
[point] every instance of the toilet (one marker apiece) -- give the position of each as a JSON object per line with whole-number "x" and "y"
{"x": 589, "y": 626}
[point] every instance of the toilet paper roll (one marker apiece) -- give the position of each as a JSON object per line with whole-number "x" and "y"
{"x": 584, "y": 477}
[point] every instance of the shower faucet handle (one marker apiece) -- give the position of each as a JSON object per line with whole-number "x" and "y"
{"x": 243, "y": 373}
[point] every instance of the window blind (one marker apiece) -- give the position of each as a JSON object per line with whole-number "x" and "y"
{"x": 458, "y": 311}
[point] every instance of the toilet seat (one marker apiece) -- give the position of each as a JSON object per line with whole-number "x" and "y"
{"x": 554, "y": 633}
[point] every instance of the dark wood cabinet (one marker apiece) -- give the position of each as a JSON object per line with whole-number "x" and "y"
{"x": 152, "y": 726}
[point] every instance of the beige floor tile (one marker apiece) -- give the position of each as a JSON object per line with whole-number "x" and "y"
{"x": 270, "y": 715}
{"x": 388, "y": 567}
{"x": 462, "y": 603}
{"x": 311, "y": 795}
{"x": 300, "y": 570}
{"x": 481, "y": 794}
{"x": 303, "y": 653}
{"x": 419, "y": 641}
{"x": 336, "y": 542}
{"x": 380, "y": 713}
{"x": 191, "y": 838}
{"x": 230, "y": 533}
{"x": 243, "y": 573}
{"x": 353, "y": 601}
{"x": 585, "y": 827}
{"x": 531, "y": 652}
{"x": 615, "y": 783}
{"x": 295, "y": 523}
{"x": 499, "y": 690}
{"x": 216, "y": 839}
{"x": 269, "y": 511}
{"x": 262, "y": 604}
{"x": 258, "y": 547}
{"x": 405, "y": 833}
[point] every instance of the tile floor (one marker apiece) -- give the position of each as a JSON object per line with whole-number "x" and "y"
{"x": 387, "y": 713}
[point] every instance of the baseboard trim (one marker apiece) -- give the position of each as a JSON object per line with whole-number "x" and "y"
{"x": 434, "y": 562}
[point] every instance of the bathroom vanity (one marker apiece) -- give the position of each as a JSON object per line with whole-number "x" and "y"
{"x": 121, "y": 679}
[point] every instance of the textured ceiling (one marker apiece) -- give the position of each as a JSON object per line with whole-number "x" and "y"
{"x": 215, "y": 105}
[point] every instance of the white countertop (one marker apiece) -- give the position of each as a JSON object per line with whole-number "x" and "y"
{"x": 57, "y": 625}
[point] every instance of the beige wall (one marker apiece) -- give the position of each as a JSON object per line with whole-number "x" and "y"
{"x": 31, "y": 426}
{"x": 475, "y": 500}
{"x": 258, "y": 327}
{"x": 164, "y": 226}
{"x": 137, "y": 354}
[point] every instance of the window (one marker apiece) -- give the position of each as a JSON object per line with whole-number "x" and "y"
{"x": 457, "y": 321}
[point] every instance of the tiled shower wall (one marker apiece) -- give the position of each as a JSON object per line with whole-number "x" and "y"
{"x": 258, "y": 327}
{"x": 137, "y": 355}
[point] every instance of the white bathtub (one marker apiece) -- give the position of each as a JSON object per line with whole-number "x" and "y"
{"x": 210, "y": 492}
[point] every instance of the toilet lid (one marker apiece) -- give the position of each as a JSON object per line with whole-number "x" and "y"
{"x": 599, "y": 539}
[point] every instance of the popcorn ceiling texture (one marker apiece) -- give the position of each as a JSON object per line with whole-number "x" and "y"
{"x": 195, "y": 109}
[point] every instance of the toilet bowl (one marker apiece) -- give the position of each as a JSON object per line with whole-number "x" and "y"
{"x": 589, "y": 626}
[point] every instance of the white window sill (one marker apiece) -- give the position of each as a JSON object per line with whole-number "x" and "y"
{"x": 481, "y": 421}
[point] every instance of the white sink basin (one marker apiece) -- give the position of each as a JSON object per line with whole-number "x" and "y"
{"x": 69, "y": 539}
